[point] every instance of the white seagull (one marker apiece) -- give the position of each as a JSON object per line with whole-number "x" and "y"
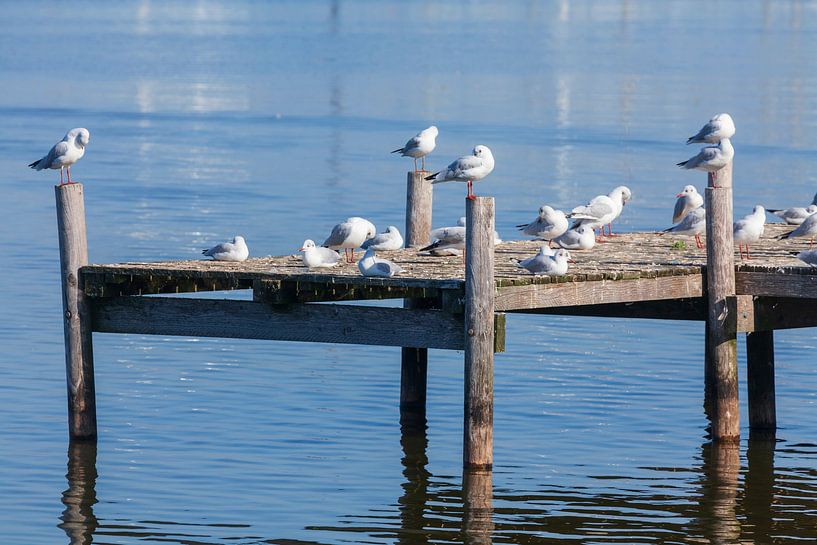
{"x": 350, "y": 235}
{"x": 318, "y": 257}
{"x": 229, "y": 251}
{"x": 719, "y": 127}
{"x": 689, "y": 199}
{"x": 694, "y": 223}
{"x": 469, "y": 168}
{"x": 370, "y": 265}
{"x": 749, "y": 229}
{"x": 794, "y": 215}
{"x": 711, "y": 158}
{"x": 581, "y": 237}
{"x": 65, "y": 153}
{"x": 548, "y": 225}
{"x": 806, "y": 229}
{"x": 547, "y": 262}
{"x": 601, "y": 210}
{"x": 390, "y": 240}
{"x": 446, "y": 238}
{"x": 420, "y": 146}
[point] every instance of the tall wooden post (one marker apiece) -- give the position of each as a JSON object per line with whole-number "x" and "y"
{"x": 721, "y": 320}
{"x": 479, "y": 334}
{"x": 79, "y": 359}
{"x": 760, "y": 380}
{"x": 419, "y": 196}
{"x": 414, "y": 361}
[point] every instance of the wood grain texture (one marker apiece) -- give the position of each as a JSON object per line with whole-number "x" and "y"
{"x": 721, "y": 319}
{"x": 760, "y": 380}
{"x": 478, "y": 428}
{"x": 667, "y": 309}
{"x": 533, "y": 296}
{"x": 79, "y": 359}
{"x": 343, "y": 324}
{"x": 776, "y": 284}
{"x": 419, "y": 199}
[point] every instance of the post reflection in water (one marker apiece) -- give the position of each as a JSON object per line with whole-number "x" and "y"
{"x": 719, "y": 491}
{"x": 759, "y": 484}
{"x": 414, "y": 501}
{"x": 477, "y": 513}
{"x": 78, "y": 520}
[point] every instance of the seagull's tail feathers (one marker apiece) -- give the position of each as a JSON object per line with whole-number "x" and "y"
{"x": 432, "y": 178}
{"x": 36, "y": 165}
{"x": 522, "y": 226}
{"x": 774, "y": 210}
{"x": 205, "y": 252}
{"x": 785, "y": 235}
{"x": 399, "y": 150}
{"x": 682, "y": 164}
{"x": 693, "y": 140}
{"x": 433, "y": 246}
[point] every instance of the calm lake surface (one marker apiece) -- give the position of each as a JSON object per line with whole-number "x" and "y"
{"x": 274, "y": 120}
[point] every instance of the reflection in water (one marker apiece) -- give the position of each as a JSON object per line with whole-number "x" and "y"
{"x": 477, "y": 495}
{"x": 719, "y": 490}
{"x": 78, "y": 520}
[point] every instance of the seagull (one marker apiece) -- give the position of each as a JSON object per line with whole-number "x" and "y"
{"x": 65, "y": 153}
{"x": 694, "y": 223}
{"x": 420, "y": 146}
{"x": 806, "y": 229}
{"x": 719, "y": 127}
{"x": 807, "y": 256}
{"x": 689, "y": 199}
{"x": 711, "y": 158}
{"x": 620, "y": 196}
{"x": 370, "y": 265}
{"x": 794, "y": 215}
{"x": 749, "y": 229}
{"x": 548, "y": 225}
{"x": 469, "y": 168}
{"x": 446, "y": 238}
{"x": 318, "y": 257}
{"x": 390, "y": 240}
{"x": 229, "y": 251}
{"x": 350, "y": 235}
{"x": 601, "y": 210}
{"x": 581, "y": 237}
{"x": 547, "y": 262}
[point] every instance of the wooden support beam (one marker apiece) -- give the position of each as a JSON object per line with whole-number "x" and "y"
{"x": 760, "y": 380}
{"x": 673, "y": 309}
{"x": 721, "y": 319}
{"x": 478, "y": 428}
{"x": 344, "y": 324}
{"x": 538, "y": 296}
{"x": 776, "y": 284}
{"x": 79, "y": 357}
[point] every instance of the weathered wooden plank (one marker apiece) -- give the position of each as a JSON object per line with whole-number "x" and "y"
{"x": 721, "y": 323}
{"x": 79, "y": 357}
{"x": 667, "y": 309}
{"x": 480, "y": 289}
{"x": 778, "y": 284}
{"x": 770, "y": 313}
{"x": 345, "y": 324}
{"x": 597, "y": 293}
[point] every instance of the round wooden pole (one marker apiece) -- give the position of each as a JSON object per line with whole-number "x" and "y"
{"x": 414, "y": 361}
{"x": 79, "y": 359}
{"x": 721, "y": 319}
{"x": 419, "y": 196}
{"x": 760, "y": 380}
{"x": 479, "y": 334}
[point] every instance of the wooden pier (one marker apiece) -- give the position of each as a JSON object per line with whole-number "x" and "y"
{"x": 449, "y": 304}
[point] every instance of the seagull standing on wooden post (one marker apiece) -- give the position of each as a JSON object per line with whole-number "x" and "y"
{"x": 65, "y": 153}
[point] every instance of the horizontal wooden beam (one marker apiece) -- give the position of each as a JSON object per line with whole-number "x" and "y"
{"x": 569, "y": 294}
{"x": 345, "y": 324}
{"x": 675, "y": 309}
{"x": 776, "y": 284}
{"x": 770, "y": 313}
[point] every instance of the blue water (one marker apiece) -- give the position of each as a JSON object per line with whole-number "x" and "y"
{"x": 274, "y": 120}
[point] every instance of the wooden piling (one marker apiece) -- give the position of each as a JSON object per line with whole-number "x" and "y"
{"x": 414, "y": 361}
{"x": 760, "y": 380}
{"x": 479, "y": 334}
{"x": 79, "y": 360}
{"x": 419, "y": 195}
{"x": 477, "y": 506}
{"x": 721, "y": 322}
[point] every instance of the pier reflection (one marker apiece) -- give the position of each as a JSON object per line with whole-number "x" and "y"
{"x": 78, "y": 520}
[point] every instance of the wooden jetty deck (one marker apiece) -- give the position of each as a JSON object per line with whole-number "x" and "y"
{"x": 451, "y": 303}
